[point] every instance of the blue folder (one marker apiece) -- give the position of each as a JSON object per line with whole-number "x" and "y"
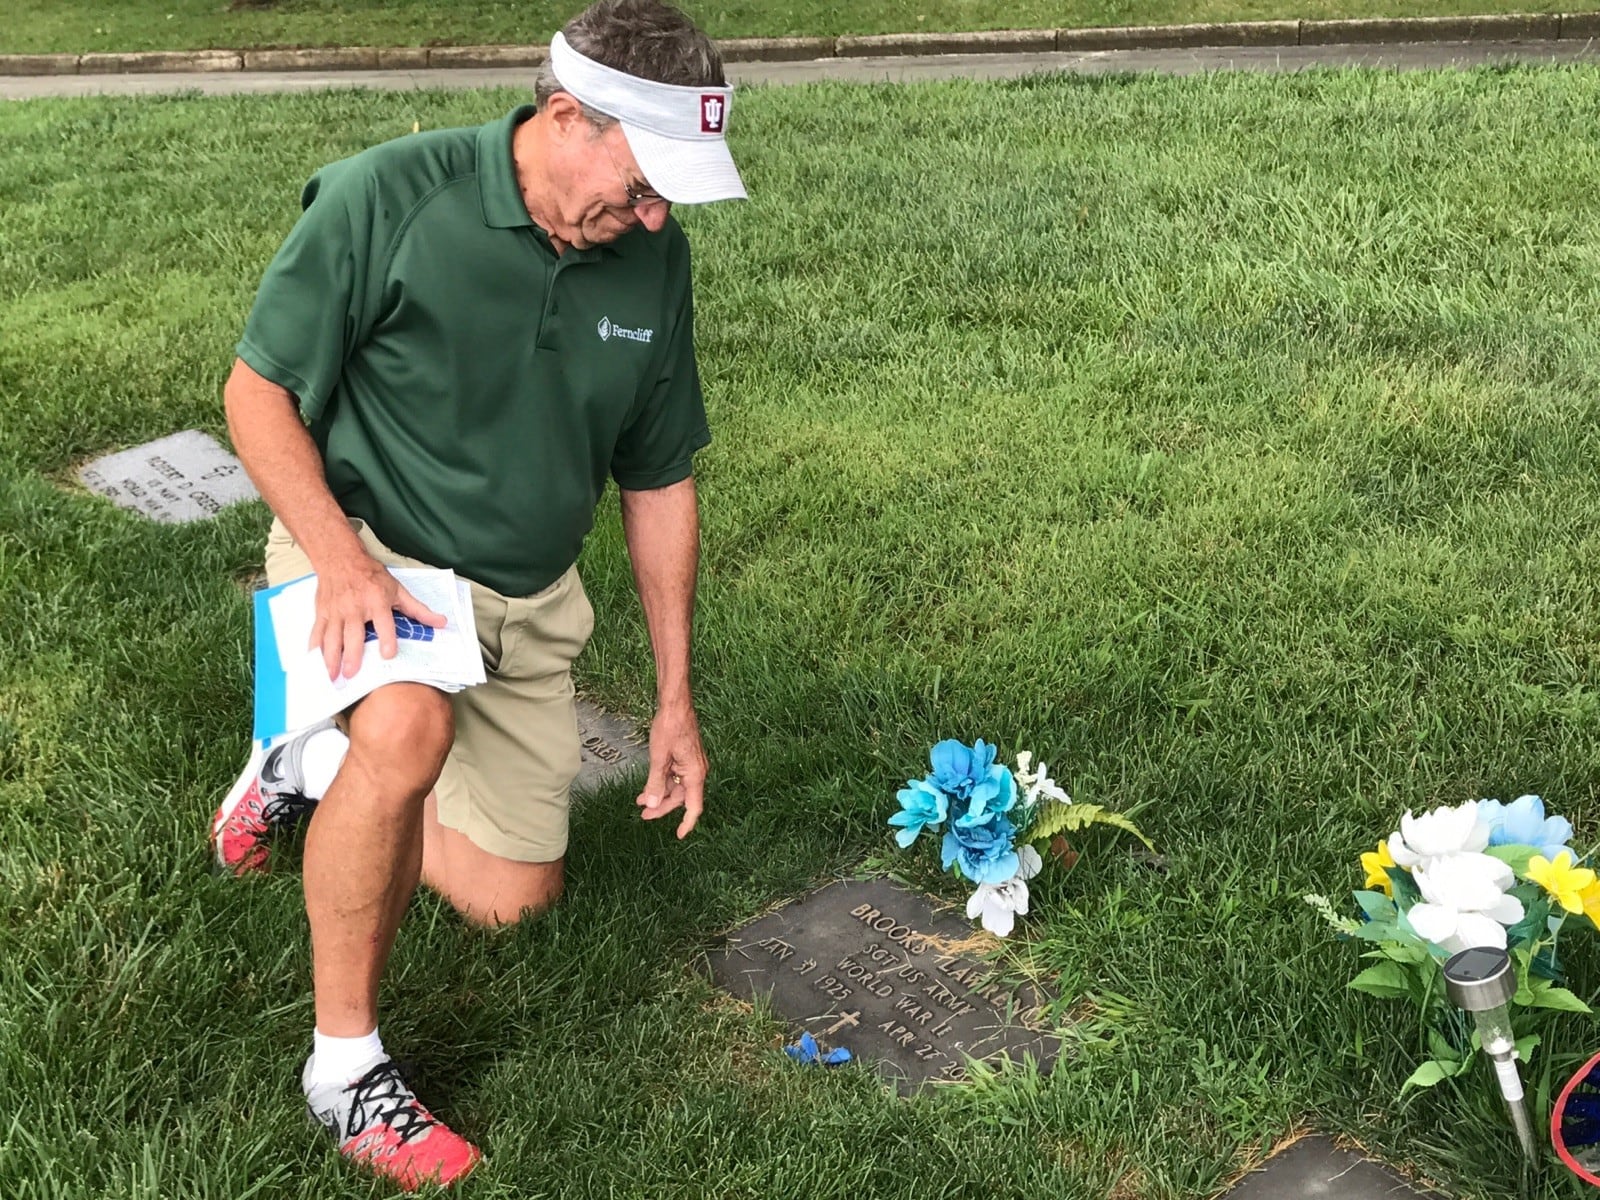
{"x": 272, "y": 697}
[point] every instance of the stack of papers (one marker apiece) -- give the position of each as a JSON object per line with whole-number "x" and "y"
{"x": 292, "y": 685}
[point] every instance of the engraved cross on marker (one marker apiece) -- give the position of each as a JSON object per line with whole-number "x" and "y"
{"x": 847, "y": 1019}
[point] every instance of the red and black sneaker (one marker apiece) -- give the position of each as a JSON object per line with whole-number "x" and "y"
{"x": 269, "y": 798}
{"x": 379, "y": 1123}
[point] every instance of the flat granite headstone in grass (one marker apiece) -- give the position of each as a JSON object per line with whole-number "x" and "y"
{"x": 176, "y": 479}
{"x": 609, "y": 746}
{"x": 1313, "y": 1168}
{"x": 868, "y": 965}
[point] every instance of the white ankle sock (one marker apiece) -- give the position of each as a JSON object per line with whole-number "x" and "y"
{"x": 336, "y": 1060}
{"x": 319, "y": 760}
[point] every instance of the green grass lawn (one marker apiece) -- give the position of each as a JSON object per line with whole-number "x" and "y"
{"x": 1228, "y": 440}
{"x": 39, "y": 26}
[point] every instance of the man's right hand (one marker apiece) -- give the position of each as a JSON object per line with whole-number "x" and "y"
{"x": 348, "y": 597}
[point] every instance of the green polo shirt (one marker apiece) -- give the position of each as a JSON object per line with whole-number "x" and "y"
{"x": 470, "y": 392}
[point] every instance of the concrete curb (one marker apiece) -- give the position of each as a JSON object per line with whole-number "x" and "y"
{"x": 159, "y": 60}
{"x": 998, "y": 41}
{"x": 1498, "y": 27}
{"x": 349, "y": 58}
{"x": 1509, "y": 27}
{"x": 784, "y": 49}
{"x": 1162, "y": 37}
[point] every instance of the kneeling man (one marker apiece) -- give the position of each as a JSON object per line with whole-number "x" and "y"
{"x": 465, "y": 335}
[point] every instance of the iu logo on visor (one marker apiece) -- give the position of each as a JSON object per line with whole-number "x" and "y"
{"x": 712, "y": 109}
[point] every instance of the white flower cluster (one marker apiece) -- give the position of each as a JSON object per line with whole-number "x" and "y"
{"x": 1464, "y": 901}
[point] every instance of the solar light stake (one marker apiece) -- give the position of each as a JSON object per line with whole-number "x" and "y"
{"x": 1481, "y": 981}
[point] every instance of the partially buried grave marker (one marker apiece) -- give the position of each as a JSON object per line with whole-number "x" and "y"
{"x": 608, "y": 746}
{"x": 184, "y": 477}
{"x": 1315, "y": 1167}
{"x": 868, "y": 965}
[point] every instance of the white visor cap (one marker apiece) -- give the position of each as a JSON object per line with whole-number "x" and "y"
{"x": 677, "y": 134}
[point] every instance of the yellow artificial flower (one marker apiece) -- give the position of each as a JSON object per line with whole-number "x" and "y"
{"x": 1564, "y": 882}
{"x": 1374, "y": 864}
{"x": 1591, "y": 901}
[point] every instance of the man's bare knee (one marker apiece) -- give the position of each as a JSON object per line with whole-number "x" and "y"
{"x": 400, "y": 736}
{"x": 502, "y": 913}
{"x": 503, "y": 893}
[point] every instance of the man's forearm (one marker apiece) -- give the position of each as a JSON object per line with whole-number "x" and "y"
{"x": 355, "y": 593}
{"x": 282, "y": 461}
{"x": 662, "y": 527}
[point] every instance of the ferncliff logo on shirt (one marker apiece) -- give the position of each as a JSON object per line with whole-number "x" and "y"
{"x": 607, "y": 331}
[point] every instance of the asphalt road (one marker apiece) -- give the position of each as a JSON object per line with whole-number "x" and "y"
{"x": 1402, "y": 57}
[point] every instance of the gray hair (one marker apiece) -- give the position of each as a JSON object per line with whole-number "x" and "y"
{"x": 644, "y": 38}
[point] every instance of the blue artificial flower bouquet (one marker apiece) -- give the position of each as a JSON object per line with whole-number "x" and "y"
{"x": 983, "y": 808}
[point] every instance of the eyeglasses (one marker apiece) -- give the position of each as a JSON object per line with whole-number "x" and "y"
{"x": 635, "y": 197}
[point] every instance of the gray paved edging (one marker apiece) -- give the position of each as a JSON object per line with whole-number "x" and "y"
{"x": 902, "y": 68}
{"x": 1498, "y": 27}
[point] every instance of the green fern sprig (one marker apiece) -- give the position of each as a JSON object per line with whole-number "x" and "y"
{"x": 1052, "y": 818}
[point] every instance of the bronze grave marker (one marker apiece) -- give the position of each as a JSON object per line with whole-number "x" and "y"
{"x": 870, "y": 966}
{"x": 608, "y": 746}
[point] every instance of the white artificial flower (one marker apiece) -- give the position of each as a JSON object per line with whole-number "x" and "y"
{"x": 1000, "y": 903}
{"x": 1028, "y": 862}
{"x": 1443, "y": 831}
{"x": 1464, "y": 901}
{"x": 1038, "y": 783}
{"x": 1043, "y": 785}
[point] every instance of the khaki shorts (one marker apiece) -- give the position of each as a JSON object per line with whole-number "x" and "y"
{"x": 508, "y": 778}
